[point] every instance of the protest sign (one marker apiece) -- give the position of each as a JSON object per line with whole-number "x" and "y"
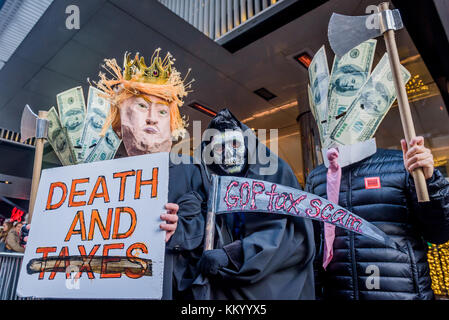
{"x": 95, "y": 231}
{"x": 236, "y": 194}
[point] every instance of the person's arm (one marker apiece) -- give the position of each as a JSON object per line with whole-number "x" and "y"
{"x": 432, "y": 217}
{"x": 190, "y": 224}
{"x": 278, "y": 243}
{"x": 192, "y": 205}
{"x": 13, "y": 243}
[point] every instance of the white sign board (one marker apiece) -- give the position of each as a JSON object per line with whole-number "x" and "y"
{"x": 95, "y": 231}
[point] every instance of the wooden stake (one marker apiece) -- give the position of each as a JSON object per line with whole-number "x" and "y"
{"x": 36, "y": 169}
{"x": 404, "y": 107}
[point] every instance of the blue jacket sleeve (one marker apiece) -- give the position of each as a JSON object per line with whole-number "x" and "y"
{"x": 432, "y": 217}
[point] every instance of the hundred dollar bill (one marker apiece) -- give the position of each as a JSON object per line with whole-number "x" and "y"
{"x": 349, "y": 74}
{"x": 97, "y": 111}
{"x": 318, "y": 122}
{"x": 106, "y": 147}
{"x": 319, "y": 84}
{"x": 58, "y": 139}
{"x": 370, "y": 106}
{"x": 72, "y": 110}
{"x": 312, "y": 107}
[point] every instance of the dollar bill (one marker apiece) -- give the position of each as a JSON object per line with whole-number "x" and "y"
{"x": 72, "y": 111}
{"x": 317, "y": 120}
{"x": 106, "y": 147}
{"x": 319, "y": 85}
{"x": 370, "y": 106}
{"x": 59, "y": 140}
{"x": 97, "y": 111}
{"x": 349, "y": 74}
{"x": 312, "y": 107}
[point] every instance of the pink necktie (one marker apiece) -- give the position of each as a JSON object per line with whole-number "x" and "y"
{"x": 333, "y": 190}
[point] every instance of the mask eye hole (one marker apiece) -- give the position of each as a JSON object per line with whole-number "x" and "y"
{"x": 236, "y": 144}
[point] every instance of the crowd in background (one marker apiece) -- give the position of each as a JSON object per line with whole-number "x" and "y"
{"x": 12, "y": 234}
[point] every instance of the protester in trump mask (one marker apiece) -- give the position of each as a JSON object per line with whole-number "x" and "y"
{"x": 145, "y": 114}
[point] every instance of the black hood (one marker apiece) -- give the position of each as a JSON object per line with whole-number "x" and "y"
{"x": 282, "y": 173}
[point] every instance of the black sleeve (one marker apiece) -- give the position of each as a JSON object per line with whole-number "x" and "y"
{"x": 279, "y": 243}
{"x": 432, "y": 217}
{"x": 190, "y": 230}
{"x": 318, "y": 235}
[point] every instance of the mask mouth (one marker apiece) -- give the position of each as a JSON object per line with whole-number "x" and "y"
{"x": 151, "y": 130}
{"x": 232, "y": 162}
{"x": 236, "y": 168}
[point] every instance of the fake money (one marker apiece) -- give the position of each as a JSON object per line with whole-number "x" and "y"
{"x": 72, "y": 112}
{"x": 97, "y": 111}
{"x": 349, "y": 74}
{"x": 319, "y": 84}
{"x": 58, "y": 139}
{"x": 106, "y": 147}
{"x": 370, "y": 106}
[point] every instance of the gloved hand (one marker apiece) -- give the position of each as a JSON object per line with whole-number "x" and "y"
{"x": 212, "y": 260}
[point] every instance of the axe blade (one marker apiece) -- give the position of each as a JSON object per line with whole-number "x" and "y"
{"x": 347, "y": 32}
{"x": 27, "y": 124}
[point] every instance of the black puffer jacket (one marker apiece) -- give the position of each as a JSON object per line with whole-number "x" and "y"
{"x": 394, "y": 209}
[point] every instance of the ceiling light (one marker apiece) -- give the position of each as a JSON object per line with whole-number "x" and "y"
{"x": 271, "y": 111}
{"x": 17, "y": 18}
{"x": 203, "y": 109}
{"x": 303, "y": 59}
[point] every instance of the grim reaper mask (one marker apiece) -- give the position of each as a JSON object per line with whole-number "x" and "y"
{"x": 228, "y": 148}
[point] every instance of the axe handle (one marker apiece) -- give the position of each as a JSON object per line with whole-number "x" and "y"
{"x": 210, "y": 231}
{"x": 404, "y": 107}
{"x": 36, "y": 169}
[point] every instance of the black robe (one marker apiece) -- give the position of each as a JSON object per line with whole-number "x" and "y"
{"x": 273, "y": 259}
{"x": 185, "y": 247}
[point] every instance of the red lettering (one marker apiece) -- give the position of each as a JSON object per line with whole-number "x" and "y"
{"x": 74, "y": 193}
{"x": 54, "y": 185}
{"x": 118, "y": 212}
{"x": 153, "y": 182}
{"x": 293, "y": 202}
{"x": 123, "y": 176}
{"x": 254, "y": 193}
{"x": 235, "y": 198}
{"x": 313, "y": 203}
{"x": 133, "y": 258}
{"x": 271, "y": 194}
{"x": 106, "y": 260}
{"x": 86, "y": 261}
{"x": 246, "y": 186}
{"x": 101, "y": 181}
{"x": 45, "y": 251}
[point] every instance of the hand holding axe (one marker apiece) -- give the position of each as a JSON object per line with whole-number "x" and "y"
{"x": 34, "y": 126}
{"x": 346, "y": 32}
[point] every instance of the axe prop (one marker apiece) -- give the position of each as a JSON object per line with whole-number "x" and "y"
{"x": 210, "y": 218}
{"x": 34, "y": 126}
{"x": 346, "y": 32}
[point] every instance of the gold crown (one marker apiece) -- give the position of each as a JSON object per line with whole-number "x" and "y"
{"x": 158, "y": 72}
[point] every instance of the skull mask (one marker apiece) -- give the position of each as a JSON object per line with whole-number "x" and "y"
{"x": 229, "y": 152}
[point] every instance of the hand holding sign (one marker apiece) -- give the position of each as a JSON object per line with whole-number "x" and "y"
{"x": 171, "y": 220}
